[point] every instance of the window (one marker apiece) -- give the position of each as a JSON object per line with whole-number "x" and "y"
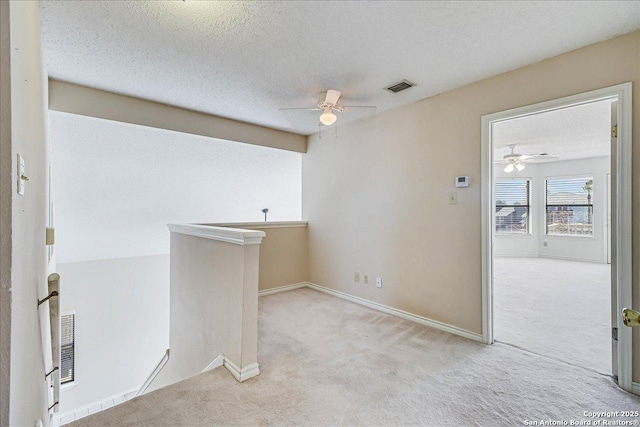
{"x": 67, "y": 348}
{"x": 512, "y": 206}
{"x": 569, "y": 206}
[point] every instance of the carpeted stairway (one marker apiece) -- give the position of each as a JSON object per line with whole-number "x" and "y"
{"x": 325, "y": 361}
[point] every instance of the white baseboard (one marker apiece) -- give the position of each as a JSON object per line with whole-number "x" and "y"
{"x": 400, "y": 313}
{"x": 635, "y": 388}
{"x": 282, "y": 289}
{"x": 61, "y": 418}
{"x": 159, "y": 366}
{"x": 568, "y": 258}
{"x": 240, "y": 375}
{"x": 243, "y": 374}
{"x": 511, "y": 255}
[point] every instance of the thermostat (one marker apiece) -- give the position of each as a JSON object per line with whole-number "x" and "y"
{"x": 462, "y": 181}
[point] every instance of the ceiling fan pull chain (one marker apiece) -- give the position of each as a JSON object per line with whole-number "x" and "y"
{"x": 336, "y": 137}
{"x": 319, "y": 131}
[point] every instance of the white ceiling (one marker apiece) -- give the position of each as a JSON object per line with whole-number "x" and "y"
{"x": 571, "y": 133}
{"x": 245, "y": 60}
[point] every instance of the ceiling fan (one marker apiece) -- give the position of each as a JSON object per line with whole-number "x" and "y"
{"x": 328, "y": 104}
{"x": 517, "y": 161}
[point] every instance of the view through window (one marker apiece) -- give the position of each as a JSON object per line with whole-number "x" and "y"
{"x": 512, "y": 206}
{"x": 67, "y": 348}
{"x": 569, "y": 206}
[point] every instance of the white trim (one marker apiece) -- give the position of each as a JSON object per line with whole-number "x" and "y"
{"x": 263, "y": 225}
{"x": 568, "y": 258}
{"x": 152, "y": 376}
{"x": 487, "y": 221}
{"x": 635, "y": 388}
{"x": 224, "y": 234}
{"x": 624, "y": 232}
{"x": 240, "y": 375}
{"x": 243, "y": 374}
{"x": 282, "y": 289}
{"x": 216, "y": 363}
{"x": 400, "y": 313}
{"x": 61, "y": 418}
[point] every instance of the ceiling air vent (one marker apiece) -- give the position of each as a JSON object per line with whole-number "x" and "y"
{"x": 400, "y": 86}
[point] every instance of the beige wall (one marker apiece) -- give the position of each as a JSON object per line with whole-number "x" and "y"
{"x": 72, "y": 98}
{"x": 283, "y": 257}
{"x": 213, "y": 305}
{"x": 30, "y": 138}
{"x": 376, "y": 198}
{"x": 283, "y": 253}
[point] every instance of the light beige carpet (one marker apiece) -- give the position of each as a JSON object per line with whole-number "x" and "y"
{"x": 557, "y": 308}
{"x": 325, "y": 361}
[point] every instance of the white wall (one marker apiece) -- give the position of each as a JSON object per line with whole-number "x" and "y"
{"x": 121, "y": 323}
{"x": 6, "y": 194}
{"x": 29, "y": 136}
{"x": 116, "y": 185}
{"x": 581, "y": 248}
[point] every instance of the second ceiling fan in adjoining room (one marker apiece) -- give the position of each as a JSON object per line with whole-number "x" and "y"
{"x": 518, "y": 162}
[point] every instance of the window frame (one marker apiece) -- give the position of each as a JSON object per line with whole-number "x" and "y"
{"x": 529, "y": 226}
{"x": 586, "y": 176}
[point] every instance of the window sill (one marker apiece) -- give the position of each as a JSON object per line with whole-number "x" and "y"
{"x": 67, "y": 386}
{"x": 512, "y": 235}
{"x": 567, "y": 236}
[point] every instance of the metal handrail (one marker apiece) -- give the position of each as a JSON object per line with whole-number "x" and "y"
{"x": 54, "y": 318}
{"x": 45, "y": 299}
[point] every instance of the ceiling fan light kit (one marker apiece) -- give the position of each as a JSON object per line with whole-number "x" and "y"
{"x": 328, "y": 118}
{"x": 328, "y": 104}
{"x": 513, "y": 165}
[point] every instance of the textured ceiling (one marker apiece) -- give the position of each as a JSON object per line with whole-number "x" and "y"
{"x": 571, "y": 133}
{"x": 245, "y": 60}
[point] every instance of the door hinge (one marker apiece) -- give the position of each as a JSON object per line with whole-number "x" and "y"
{"x": 614, "y": 333}
{"x": 614, "y": 131}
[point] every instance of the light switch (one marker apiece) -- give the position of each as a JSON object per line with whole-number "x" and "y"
{"x": 453, "y": 198}
{"x": 21, "y": 177}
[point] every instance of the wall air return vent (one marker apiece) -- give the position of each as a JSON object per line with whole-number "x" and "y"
{"x": 400, "y": 86}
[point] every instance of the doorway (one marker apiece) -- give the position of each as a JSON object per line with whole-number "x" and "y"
{"x": 539, "y": 216}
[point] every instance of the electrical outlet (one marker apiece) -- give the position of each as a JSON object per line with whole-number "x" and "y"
{"x": 544, "y": 244}
{"x": 356, "y": 277}
{"x": 378, "y": 282}
{"x": 366, "y": 279}
{"x": 453, "y": 198}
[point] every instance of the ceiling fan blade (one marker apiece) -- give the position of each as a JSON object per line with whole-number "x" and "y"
{"x": 308, "y": 109}
{"x": 360, "y": 106}
{"x": 540, "y": 159}
{"x": 332, "y": 96}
